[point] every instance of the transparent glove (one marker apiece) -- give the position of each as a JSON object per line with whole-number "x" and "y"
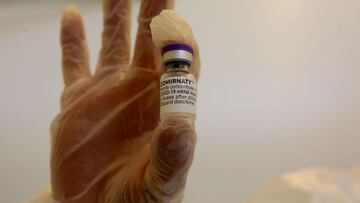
{"x": 107, "y": 143}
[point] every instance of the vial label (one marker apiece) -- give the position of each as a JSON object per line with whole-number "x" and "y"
{"x": 177, "y": 94}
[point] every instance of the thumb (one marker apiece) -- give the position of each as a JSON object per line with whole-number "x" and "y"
{"x": 172, "y": 154}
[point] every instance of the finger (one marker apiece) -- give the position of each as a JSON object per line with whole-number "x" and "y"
{"x": 181, "y": 33}
{"x": 75, "y": 55}
{"x": 116, "y": 34}
{"x": 172, "y": 153}
{"x": 146, "y": 54}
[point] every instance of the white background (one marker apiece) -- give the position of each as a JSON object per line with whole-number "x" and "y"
{"x": 280, "y": 90}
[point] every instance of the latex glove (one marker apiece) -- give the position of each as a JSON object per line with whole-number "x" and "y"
{"x": 106, "y": 142}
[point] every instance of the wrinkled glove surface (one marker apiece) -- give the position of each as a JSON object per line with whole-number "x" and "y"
{"x": 107, "y": 143}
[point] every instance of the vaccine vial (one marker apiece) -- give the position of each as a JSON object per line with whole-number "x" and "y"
{"x": 178, "y": 87}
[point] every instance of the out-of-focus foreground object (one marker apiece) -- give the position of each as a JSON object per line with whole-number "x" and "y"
{"x": 43, "y": 197}
{"x": 318, "y": 185}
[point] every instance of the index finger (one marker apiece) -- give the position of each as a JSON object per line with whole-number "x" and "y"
{"x": 146, "y": 54}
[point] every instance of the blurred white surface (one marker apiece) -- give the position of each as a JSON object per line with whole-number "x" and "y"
{"x": 279, "y": 90}
{"x": 314, "y": 185}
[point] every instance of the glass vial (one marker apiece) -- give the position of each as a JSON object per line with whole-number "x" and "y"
{"x": 178, "y": 87}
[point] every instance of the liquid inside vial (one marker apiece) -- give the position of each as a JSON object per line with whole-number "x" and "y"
{"x": 178, "y": 88}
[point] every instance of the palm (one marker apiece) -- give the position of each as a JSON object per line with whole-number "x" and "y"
{"x": 105, "y": 144}
{"x": 92, "y": 142}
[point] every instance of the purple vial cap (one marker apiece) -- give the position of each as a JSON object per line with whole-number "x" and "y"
{"x": 173, "y": 47}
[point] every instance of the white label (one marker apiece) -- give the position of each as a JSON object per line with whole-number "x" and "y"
{"x": 177, "y": 94}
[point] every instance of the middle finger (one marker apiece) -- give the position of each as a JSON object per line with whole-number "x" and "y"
{"x": 116, "y": 34}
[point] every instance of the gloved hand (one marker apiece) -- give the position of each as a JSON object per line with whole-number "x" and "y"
{"x": 107, "y": 146}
